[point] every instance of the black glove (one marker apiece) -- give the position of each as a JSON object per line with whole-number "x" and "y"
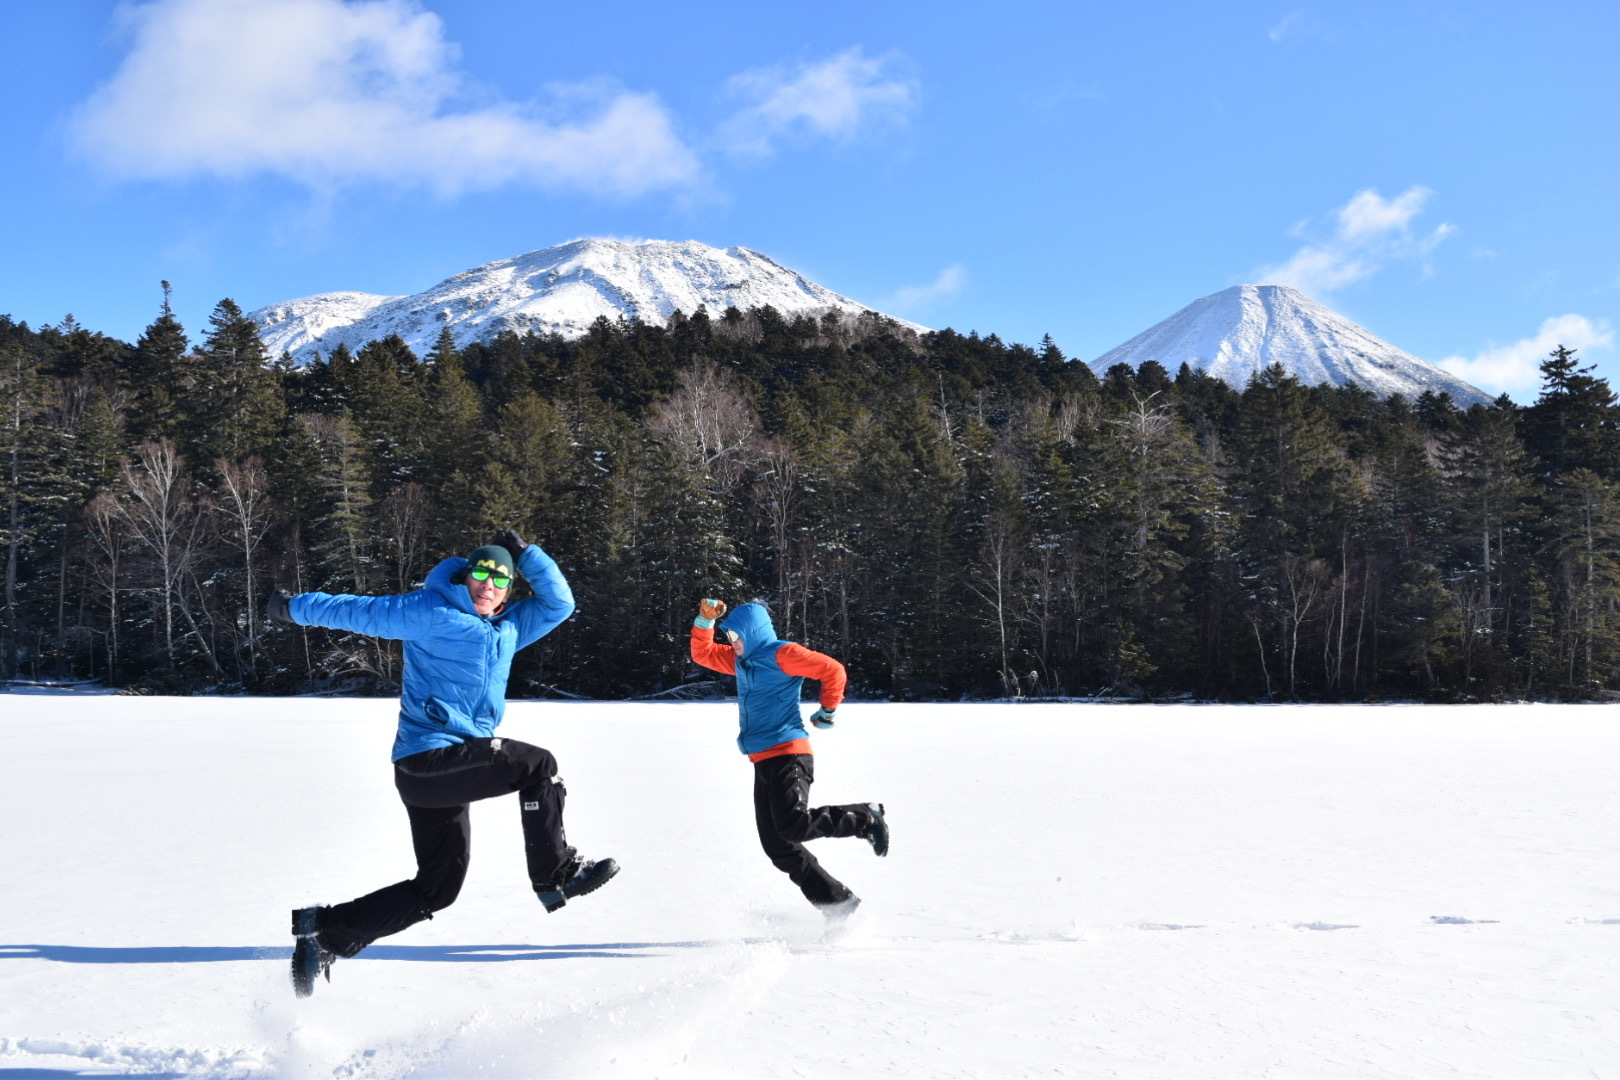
{"x": 276, "y": 607}
{"x": 511, "y": 541}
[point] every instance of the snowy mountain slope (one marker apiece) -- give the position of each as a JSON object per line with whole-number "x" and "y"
{"x": 560, "y": 289}
{"x": 1240, "y": 330}
{"x": 1090, "y": 890}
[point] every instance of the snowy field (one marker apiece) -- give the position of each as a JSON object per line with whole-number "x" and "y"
{"x": 1178, "y": 891}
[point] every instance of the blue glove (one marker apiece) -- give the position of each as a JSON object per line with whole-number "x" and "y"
{"x": 823, "y": 717}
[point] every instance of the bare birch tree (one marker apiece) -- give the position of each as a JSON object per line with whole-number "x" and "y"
{"x": 158, "y": 508}
{"x": 243, "y": 504}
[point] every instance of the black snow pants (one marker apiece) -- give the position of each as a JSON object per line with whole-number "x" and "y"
{"x": 785, "y": 819}
{"x": 436, "y": 787}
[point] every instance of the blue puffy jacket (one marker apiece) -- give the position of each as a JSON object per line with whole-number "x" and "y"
{"x": 767, "y": 696}
{"x": 456, "y": 660}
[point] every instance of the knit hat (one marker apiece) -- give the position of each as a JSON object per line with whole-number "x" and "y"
{"x": 491, "y": 557}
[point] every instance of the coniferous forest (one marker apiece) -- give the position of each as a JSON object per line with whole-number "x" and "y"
{"x": 954, "y": 517}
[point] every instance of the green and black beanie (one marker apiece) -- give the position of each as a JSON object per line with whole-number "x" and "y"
{"x": 492, "y": 557}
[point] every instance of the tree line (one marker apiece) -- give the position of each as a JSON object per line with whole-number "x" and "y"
{"x": 952, "y": 515}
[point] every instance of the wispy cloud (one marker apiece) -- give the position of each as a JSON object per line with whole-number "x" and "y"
{"x": 1517, "y": 367}
{"x": 1369, "y": 232}
{"x": 1290, "y": 23}
{"x": 328, "y": 92}
{"x": 917, "y": 298}
{"x": 837, "y": 98}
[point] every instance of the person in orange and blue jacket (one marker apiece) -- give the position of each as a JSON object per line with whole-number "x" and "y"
{"x": 770, "y": 673}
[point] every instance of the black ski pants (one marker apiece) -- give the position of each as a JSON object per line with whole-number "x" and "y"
{"x": 786, "y": 820}
{"x": 436, "y": 787}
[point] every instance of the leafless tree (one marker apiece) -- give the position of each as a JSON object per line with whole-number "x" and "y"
{"x": 243, "y": 504}
{"x": 711, "y": 419}
{"x": 160, "y": 512}
{"x": 780, "y": 488}
{"x": 405, "y": 516}
{"x": 105, "y": 524}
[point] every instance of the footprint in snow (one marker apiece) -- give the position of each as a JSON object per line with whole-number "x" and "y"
{"x": 1601, "y": 922}
{"x": 1458, "y": 920}
{"x": 1325, "y": 926}
{"x": 1172, "y": 926}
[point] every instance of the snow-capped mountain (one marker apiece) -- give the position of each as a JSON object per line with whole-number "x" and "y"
{"x": 560, "y": 289}
{"x": 1240, "y": 330}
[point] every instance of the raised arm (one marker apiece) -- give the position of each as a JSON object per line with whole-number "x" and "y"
{"x": 552, "y": 602}
{"x": 402, "y": 617}
{"x": 721, "y": 658}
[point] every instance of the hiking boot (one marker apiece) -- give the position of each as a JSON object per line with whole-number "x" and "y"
{"x": 877, "y": 830}
{"x": 839, "y": 910}
{"x": 310, "y": 958}
{"x": 576, "y": 878}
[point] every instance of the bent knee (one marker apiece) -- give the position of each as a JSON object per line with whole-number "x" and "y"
{"x": 538, "y": 763}
{"x": 797, "y": 831}
{"x": 441, "y": 893}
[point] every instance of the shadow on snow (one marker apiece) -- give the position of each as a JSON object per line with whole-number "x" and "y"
{"x": 444, "y": 954}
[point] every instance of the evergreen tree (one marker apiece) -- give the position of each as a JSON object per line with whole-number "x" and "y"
{"x": 1295, "y": 492}
{"x": 1586, "y": 511}
{"x": 1573, "y": 424}
{"x": 33, "y": 486}
{"x": 385, "y": 398}
{"x": 1486, "y": 470}
{"x": 1162, "y": 485}
{"x": 232, "y": 404}
{"x": 158, "y": 375}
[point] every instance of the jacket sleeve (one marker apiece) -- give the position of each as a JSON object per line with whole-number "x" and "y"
{"x": 721, "y": 658}
{"x": 797, "y": 660}
{"x": 552, "y": 602}
{"x": 403, "y": 617}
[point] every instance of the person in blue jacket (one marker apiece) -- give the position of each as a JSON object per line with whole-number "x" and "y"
{"x": 770, "y": 673}
{"x": 460, "y": 635}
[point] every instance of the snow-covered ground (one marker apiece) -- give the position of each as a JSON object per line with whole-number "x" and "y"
{"x": 1194, "y": 891}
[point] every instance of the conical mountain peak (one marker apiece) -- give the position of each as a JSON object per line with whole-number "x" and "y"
{"x": 1239, "y": 331}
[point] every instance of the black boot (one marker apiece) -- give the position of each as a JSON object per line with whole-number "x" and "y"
{"x": 877, "y": 830}
{"x": 310, "y": 958}
{"x": 575, "y": 877}
{"x": 839, "y": 910}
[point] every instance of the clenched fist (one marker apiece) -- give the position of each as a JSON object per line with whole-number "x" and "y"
{"x": 708, "y": 612}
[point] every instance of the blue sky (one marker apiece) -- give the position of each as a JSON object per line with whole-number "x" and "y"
{"x": 1442, "y": 173}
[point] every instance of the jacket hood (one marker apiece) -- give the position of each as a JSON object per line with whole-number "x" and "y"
{"x": 752, "y": 623}
{"x": 445, "y": 580}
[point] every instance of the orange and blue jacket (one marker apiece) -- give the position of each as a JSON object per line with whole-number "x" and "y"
{"x": 769, "y": 677}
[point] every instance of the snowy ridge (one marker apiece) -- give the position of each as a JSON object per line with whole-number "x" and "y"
{"x": 562, "y": 289}
{"x": 1238, "y": 331}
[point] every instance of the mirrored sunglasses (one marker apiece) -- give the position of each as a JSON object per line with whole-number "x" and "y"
{"x": 500, "y": 581}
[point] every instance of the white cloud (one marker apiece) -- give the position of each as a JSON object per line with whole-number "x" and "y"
{"x": 1517, "y": 367}
{"x": 328, "y": 92}
{"x": 1369, "y": 233}
{"x": 951, "y": 281}
{"x": 836, "y": 98}
{"x": 1290, "y": 22}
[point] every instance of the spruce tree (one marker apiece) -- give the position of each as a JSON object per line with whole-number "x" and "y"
{"x": 1294, "y": 491}
{"x": 1574, "y": 423}
{"x": 158, "y": 376}
{"x": 233, "y": 404}
{"x": 1486, "y": 472}
{"x": 33, "y": 486}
